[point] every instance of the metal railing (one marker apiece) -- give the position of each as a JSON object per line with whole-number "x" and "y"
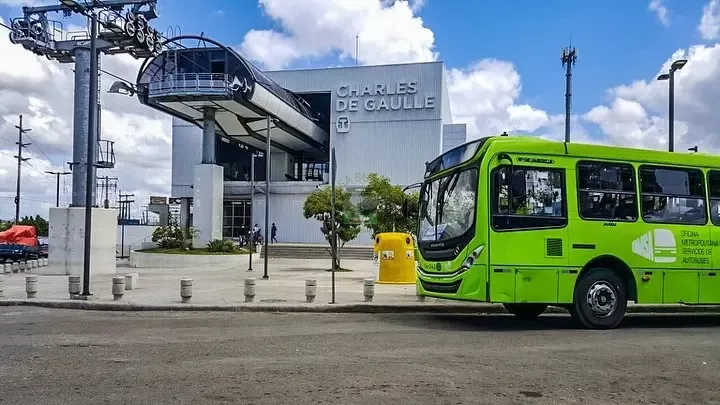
{"x": 192, "y": 83}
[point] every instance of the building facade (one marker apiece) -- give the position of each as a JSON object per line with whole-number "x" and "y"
{"x": 388, "y": 119}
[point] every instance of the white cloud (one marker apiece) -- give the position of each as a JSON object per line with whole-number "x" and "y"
{"x": 484, "y": 97}
{"x": 637, "y": 115}
{"x": 388, "y": 32}
{"x": 660, "y": 11}
{"x": 710, "y": 22}
{"x": 42, "y": 91}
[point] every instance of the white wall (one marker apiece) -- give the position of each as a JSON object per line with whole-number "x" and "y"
{"x": 394, "y": 143}
{"x": 66, "y": 241}
{"x": 135, "y": 235}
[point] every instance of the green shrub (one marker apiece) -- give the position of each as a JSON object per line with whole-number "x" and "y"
{"x": 221, "y": 246}
{"x": 173, "y": 237}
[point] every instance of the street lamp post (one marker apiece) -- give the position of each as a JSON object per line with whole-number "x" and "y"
{"x": 670, "y": 77}
{"x": 57, "y": 184}
{"x": 251, "y": 242}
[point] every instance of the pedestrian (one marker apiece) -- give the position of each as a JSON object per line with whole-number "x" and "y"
{"x": 256, "y": 233}
{"x": 273, "y": 233}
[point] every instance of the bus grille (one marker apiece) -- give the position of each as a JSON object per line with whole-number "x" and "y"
{"x": 444, "y": 288}
{"x": 553, "y": 247}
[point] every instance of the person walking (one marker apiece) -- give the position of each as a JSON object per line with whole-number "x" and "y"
{"x": 273, "y": 233}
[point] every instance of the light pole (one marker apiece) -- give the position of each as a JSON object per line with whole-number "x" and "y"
{"x": 670, "y": 77}
{"x": 252, "y": 208}
{"x": 57, "y": 184}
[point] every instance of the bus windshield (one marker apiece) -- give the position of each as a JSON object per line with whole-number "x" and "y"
{"x": 447, "y": 206}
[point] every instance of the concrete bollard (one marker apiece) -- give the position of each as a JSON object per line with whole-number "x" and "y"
{"x": 186, "y": 289}
{"x": 21, "y": 266}
{"x": 33, "y": 264}
{"x": 368, "y": 289}
{"x": 118, "y": 287}
{"x": 249, "y": 289}
{"x": 74, "y": 285}
{"x": 46, "y": 262}
{"x": 15, "y": 267}
{"x": 31, "y": 288}
{"x": 7, "y": 268}
{"x": 310, "y": 289}
{"x": 131, "y": 281}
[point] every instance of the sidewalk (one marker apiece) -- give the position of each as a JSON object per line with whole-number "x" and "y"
{"x": 222, "y": 289}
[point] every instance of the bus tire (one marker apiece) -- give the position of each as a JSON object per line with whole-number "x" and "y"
{"x": 600, "y": 299}
{"x": 526, "y": 311}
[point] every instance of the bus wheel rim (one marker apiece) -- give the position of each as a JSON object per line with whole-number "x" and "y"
{"x": 601, "y": 299}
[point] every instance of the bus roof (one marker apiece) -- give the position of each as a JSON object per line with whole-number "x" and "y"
{"x": 537, "y": 145}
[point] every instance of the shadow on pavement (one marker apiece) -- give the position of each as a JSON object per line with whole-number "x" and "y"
{"x": 500, "y": 323}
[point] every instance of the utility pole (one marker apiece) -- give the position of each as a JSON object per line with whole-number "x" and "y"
{"x": 251, "y": 242}
{"x": 104, "y": 184}
{"x": 124, "y": 203}
{"x": 20, "y": 159}
{"x": 569, "y": 57}
{"x": 57, "y": 184}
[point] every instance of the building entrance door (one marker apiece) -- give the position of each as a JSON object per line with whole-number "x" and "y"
{"x": 237, "y": 216}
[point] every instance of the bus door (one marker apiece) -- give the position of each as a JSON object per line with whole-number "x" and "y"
{"x": 528, "y": 235}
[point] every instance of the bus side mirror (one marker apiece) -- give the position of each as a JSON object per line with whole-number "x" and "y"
{"x": 405, "y": 208}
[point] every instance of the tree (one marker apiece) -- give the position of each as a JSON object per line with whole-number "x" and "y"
{"x": 41, "y": 225}
{"x": 382, "y": 206}
{"x": 347, "y": 222}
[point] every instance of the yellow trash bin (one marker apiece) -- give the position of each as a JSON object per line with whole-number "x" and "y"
{"x": 396, "y": 258}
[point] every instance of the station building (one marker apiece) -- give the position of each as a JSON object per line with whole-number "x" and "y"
{"x": 388, "y": 119}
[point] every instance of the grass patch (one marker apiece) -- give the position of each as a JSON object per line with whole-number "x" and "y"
{"x": 340, "y": 270}
{"x": 194, "y": 252}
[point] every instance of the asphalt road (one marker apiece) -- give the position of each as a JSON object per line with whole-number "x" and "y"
{"x": 77, "y": 357}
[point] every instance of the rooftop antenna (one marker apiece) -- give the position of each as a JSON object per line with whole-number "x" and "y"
{"x": 357, "y": 48}
{"x": 569, "y": 57}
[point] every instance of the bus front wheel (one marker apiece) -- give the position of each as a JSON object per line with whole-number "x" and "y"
{"x": 526, "y": 311}
{"x": 600, "y": 299}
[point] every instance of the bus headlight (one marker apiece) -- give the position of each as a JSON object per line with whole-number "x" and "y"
{"x": 472, "y": 257}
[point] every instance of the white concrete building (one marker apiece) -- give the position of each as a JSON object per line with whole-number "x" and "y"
{"x": 387, "y": 119}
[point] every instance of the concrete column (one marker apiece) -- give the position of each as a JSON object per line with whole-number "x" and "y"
{"x": 207, "y": 203}
{"x": 208, "y": 156}
{"x": 369, "y": 289}
{"x": 186, "y": 289}
{"x": 81, "y": 111}
{"x": 31, "y": 285}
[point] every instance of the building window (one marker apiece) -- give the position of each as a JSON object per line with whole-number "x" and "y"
{"x": 672, "y": 195}
{"x": 236, "y": 218}
{"x": 606, "y": 191}
{"x": 529, "y": 198}
{"x": 714, "y": 191}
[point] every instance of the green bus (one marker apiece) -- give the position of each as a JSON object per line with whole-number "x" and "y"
{"x": 532, "y": 223}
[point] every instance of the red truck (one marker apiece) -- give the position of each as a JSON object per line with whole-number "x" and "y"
{"x": 20, "y": 242}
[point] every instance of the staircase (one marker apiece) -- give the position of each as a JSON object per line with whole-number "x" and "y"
{"x": 308, "y": 251}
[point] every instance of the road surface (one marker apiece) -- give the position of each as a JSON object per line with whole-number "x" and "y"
{"x": 67, "y": 357}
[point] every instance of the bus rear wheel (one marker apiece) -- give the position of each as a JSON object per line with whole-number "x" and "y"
{"x": 600, "y": 299}
{"x": 526, "y": 311}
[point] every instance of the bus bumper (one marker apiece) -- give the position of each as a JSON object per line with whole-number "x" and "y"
{"x": 467, "y": 285}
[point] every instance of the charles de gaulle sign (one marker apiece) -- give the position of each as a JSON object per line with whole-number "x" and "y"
{"x": 401, "y": 95}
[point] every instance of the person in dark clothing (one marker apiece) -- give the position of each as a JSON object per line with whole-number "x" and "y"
{"x": 273, "y": 233}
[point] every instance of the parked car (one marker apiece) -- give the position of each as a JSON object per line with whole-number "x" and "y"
{"x": 20, "y": 242}
{"x": 43, "y": 247}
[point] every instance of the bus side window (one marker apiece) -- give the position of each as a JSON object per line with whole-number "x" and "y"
{"x": 714, "y": 191}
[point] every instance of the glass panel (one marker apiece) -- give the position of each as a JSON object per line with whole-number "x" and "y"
{"x": 672, "y": 182}
{"x": 680, "y": 210}
{"x": 448, "y": 206}
{"x": 598, "y": 176}
{"x": 599, "y": 205}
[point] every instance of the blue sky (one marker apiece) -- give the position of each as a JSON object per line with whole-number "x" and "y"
{"x": 617, "y": 41}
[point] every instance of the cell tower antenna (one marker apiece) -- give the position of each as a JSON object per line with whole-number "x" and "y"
{"x": 569, "y": 58}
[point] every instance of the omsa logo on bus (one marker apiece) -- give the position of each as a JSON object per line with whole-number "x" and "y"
{"x": 657, "y": 245}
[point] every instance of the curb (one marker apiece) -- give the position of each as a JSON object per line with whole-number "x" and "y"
{"x": 372, "y": 308}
